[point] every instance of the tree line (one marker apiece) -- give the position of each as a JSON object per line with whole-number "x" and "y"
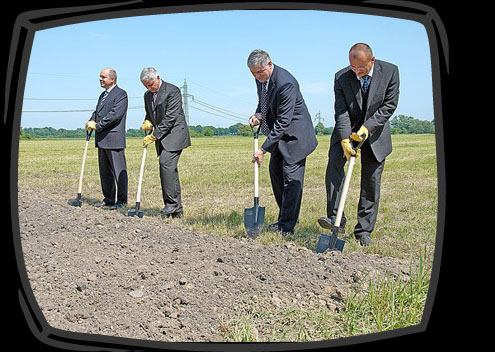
{"x": 398, "y": 125}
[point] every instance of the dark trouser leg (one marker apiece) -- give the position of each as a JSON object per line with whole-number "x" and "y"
{"x": 169, "y": 177}
{"x": 371, "y": 173}
{"x": 287, "y": 183}
{"x": 113, "y": 170}
{"x": 334, "y": 181}
{"x": 106, "y": 176}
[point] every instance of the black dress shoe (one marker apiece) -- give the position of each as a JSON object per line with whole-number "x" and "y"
{"x": 327, "y": 223}
{"x": 102, "y": 204}
{"x": 273, "y": 227}
{"x": 287, "y": 233}
{"x": 171, "y": 212}
{"x": 364, "y": 239}
{"x": 118, "y": 205}
{"x": 177, "y": 214}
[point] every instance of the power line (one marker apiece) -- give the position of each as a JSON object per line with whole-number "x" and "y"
{"x": 82, "y": 110}
{"x": 212, "y": 113}
{"x": 55, "y": 99}
{"x": 218, "y": 109}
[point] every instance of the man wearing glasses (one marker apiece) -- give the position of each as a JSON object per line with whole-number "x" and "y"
{"x": 366, "y": 96}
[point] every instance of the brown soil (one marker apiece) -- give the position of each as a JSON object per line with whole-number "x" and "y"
{"x": 101, "y": 272}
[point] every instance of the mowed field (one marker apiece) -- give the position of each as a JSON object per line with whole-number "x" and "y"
{"x": 217, "y": 176}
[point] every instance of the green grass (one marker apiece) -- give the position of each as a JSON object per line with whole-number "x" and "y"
{"x": 384, "y": 304}
{"x": 216, "y": 176}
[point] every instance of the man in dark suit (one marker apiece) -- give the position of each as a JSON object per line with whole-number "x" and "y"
{"x": 366, "y": 96}
{"x": 290, "y": 135}
{"x": 109, "y": 120}
{"x": 164, "y": 114}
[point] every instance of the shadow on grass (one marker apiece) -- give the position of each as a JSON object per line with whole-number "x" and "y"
{"x": 230, "y": 221}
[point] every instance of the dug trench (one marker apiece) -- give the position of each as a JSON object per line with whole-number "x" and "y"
{"x": 101, "y": 272}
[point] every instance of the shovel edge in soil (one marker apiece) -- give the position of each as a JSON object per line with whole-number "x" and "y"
{"x": 333, "y": 242}
{"x": 78, "y": 201}
{"x": 136, "y": 210}
{"x": 254, "y": 217}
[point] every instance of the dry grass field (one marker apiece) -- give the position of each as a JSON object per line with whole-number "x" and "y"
{"x": 216, "y": 176}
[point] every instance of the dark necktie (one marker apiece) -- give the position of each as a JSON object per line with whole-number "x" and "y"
{"x": 154, "y": 98}
{"x": 103, "y": 98}
{"x": 264, "y": 108}
{"x": 366, "y": 83}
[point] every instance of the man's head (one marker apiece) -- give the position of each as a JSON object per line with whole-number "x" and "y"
{"x": 260, "y": 65}
{"x": 108, "y": 78}
{"x": 361, "y": 59}
{"x": 150, "y": 79}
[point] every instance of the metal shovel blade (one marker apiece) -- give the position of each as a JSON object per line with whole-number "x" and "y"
{"x": 135, "y": 212}
{"x": 329, "y": 242}
{"x": 76, "y": 202}
{"x": 253, "y": 220}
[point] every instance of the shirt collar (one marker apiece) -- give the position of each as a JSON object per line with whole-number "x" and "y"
{"x": 369, "y": 73}
{"x": 109, "y": 89}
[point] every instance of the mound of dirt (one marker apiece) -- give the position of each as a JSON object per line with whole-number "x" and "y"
{"x": 98, "y": 271}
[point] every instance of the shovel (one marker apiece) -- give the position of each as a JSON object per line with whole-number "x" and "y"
{"x": 333, "y": 242}
{"x": 136, "y": 210}
{"x": 78, "y": 201}
{"x": 254, "y": 217}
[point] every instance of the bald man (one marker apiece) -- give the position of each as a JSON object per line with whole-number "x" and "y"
{"x": 366, "y": 96}
{"x": 108, "y": 120}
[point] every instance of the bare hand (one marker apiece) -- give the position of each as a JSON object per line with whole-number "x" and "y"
{"x": 258, "y": 157}
{"x": 255, "y": 120}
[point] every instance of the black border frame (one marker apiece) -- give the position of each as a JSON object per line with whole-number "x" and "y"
{"x": 28, "y": 22}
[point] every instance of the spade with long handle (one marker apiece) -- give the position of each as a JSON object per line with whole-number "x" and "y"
{"x": 333, "y": 242}
{"x": 254, "y": 217}
{"x": 78, "y": 201}
{"x": 136, "y": 210}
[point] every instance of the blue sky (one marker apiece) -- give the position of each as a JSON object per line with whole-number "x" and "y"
{"x": 209, "y": 50}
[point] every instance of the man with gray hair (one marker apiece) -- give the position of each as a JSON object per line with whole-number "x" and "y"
{"x": 109, "y": 119}
{"x": 290, "y": 135}
{"x": 165, "y": 117}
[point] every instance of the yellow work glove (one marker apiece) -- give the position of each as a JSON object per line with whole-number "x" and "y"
{"x": 147, "y": 125}
{"x": 361, "y": 135}
{"x": 347, "y": 147}
{"x": 90, "y": 125}
{"x": 148, "y": 139}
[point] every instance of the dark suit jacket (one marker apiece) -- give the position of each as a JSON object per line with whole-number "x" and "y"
{"x": 383, "y": 97}
{"x": 168, "y": 118}
{"x": 291, "y": 128}
{"x": 110, "y": 118}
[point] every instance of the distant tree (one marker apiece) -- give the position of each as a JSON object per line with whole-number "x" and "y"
{"x": 244, "y": 130}
{"x": 328, "y": 131}
{"x": 319, "y": 129}
{"x": 402, "y": 124}
{"x": 208, "y": 132}
{"x": 234, "y": 129}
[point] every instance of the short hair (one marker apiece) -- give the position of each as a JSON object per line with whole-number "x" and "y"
{"x": 363, "y": 48}
{"x": 148, "y": 73}
{"x": 111, "y": 73}
{"x": 258, "y": 57}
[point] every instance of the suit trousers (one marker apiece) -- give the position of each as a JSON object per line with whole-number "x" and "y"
{"x": 169, "y": 177}
{"x": 371, "y": 173}
{"x": 287, "y": 184}
{"x": 113, "y": 171}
